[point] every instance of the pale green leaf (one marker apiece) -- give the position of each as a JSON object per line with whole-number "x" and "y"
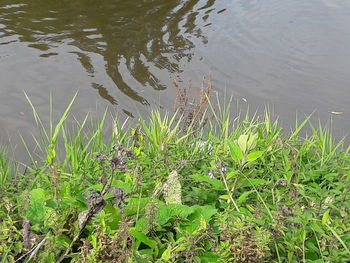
{"x": 254, "y": 155}
{"x": 166, "y": 254}
{"x": 231, "y": 174}
{"x": 236, "y": 152}
{"x": 226, "y": 197}
{"x": 252, "y": 141}
{"x": 242, "y": 142}
{"x": 326, "y": 217}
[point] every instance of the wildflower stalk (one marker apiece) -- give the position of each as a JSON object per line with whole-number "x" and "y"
{"x": 229, "y": 192}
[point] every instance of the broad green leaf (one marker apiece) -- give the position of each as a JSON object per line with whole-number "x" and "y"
{"x": 167, "y": 212}
{"x": 252, "y": 141}
{"x": 254, "y": 155}
{"x": 231, "y": 174}
{"x": 195, "y": 220}
{"x": 207, "y": 257}
{"x": 37, "y": 195}
{"x": 226, "y": 197}
{"x": 202, "y": 211}
{"x": 326, "y": 217}
{"x": 144, "y": 252}
{"x": 142, "y": 225}
{"x": 63, "y": 240}
{"x": 166, "y": 254}
{"x": 244, "y": 197}
{"x": 242, "y": 142}
{"x": 206, "y": 211}
{"x": 144, "y": 239}
{"x": 236, "y": 152}
{"x": 203, "y": 223}
{"x": 137, "y": 205}
{"x": 37, "y": 210}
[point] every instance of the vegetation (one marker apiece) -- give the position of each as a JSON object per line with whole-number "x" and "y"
{"x": 194, "y": 186}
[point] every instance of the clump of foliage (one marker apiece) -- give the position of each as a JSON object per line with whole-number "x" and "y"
{"x": 172, "y": 189}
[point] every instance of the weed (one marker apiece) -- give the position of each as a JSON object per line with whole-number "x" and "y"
{"x": 193, "y": 113}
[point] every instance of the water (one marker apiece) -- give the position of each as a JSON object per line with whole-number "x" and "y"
{"x": 292, "y": 55}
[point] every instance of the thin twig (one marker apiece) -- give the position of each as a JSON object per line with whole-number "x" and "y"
{"x": 33, "y": 250}
{"x": 90, "y": 214}
{"x": 37, "y": 248}
{"x": 26, "y": 254}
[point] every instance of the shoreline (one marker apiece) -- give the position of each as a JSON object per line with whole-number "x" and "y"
{"x": 193, "y": 186}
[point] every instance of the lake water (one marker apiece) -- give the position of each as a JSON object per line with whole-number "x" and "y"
{"x": 293, "y": 55}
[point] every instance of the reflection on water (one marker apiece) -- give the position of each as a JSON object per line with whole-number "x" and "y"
{"x": 133, "y": 35}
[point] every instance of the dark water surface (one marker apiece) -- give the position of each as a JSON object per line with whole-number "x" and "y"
{"x": 293, "y": 55}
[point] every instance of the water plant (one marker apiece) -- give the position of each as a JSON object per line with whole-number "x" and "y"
{"x": 182, "y": 187}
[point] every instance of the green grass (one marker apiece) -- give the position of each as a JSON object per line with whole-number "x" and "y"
{"x": 235, "y": 190}
{"x": 5, "y": 167}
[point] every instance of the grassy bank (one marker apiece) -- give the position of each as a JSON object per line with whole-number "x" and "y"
{"x": 194, "y": 186}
